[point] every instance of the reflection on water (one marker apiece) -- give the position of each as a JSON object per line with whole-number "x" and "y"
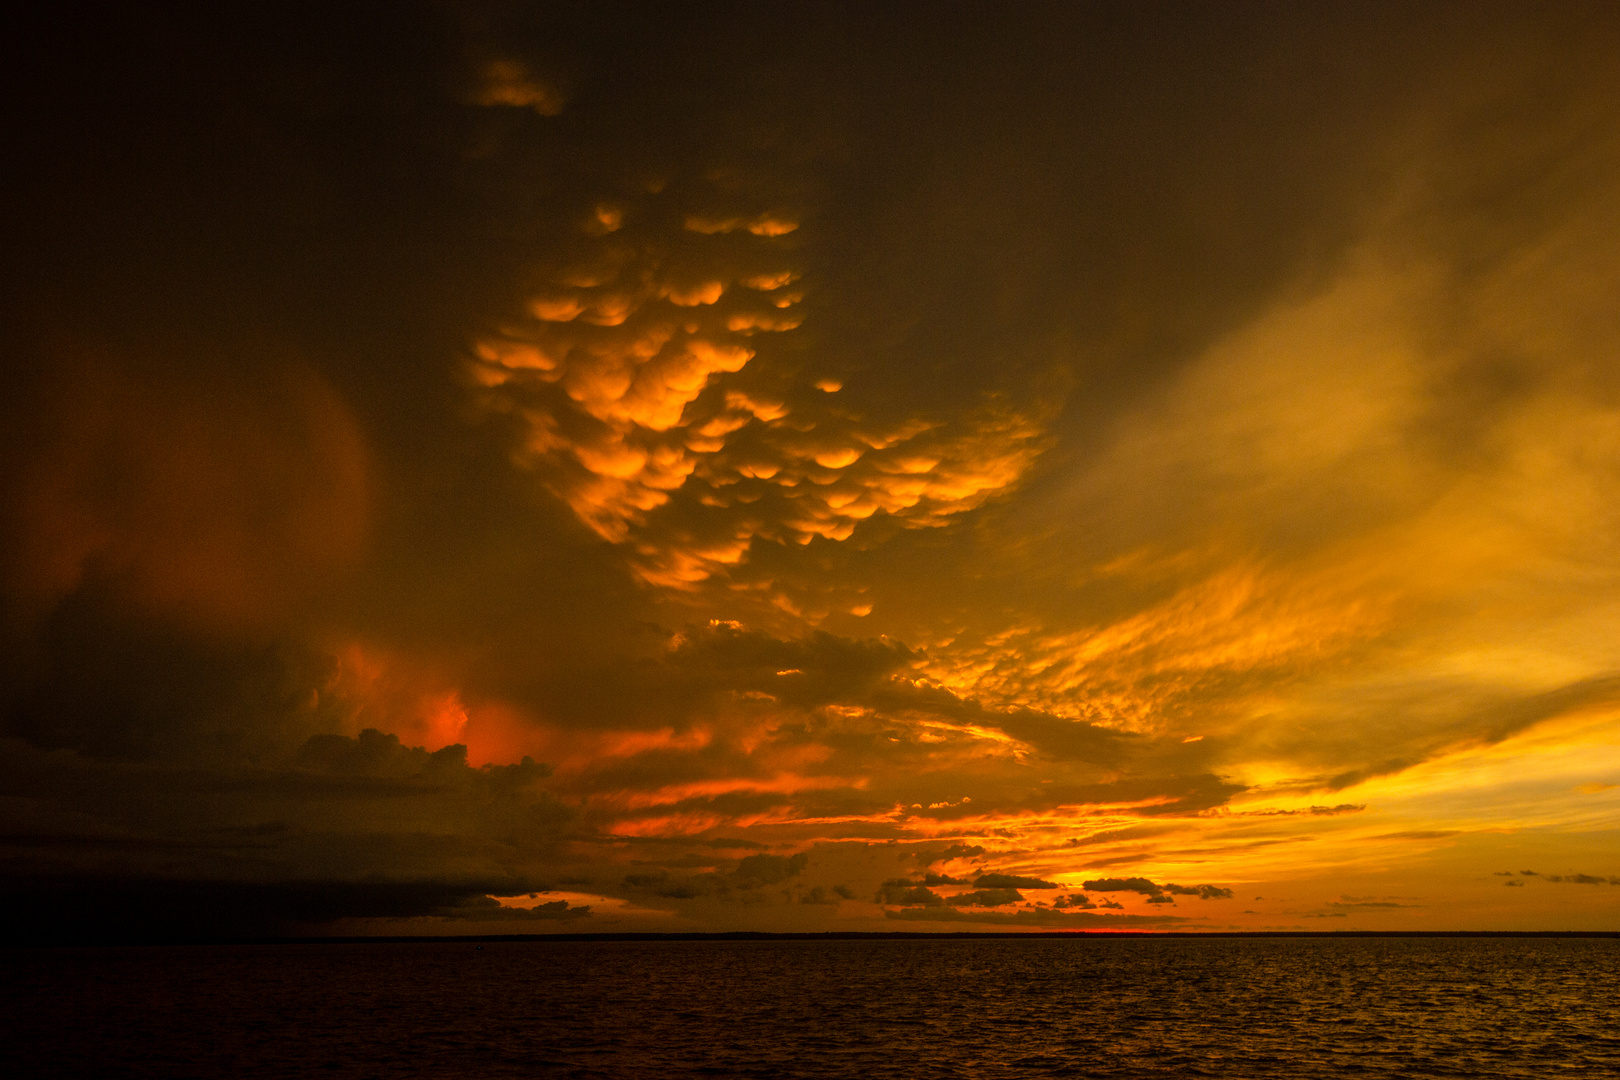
{"x": 1092, "y": 1007}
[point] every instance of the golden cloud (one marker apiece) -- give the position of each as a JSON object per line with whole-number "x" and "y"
{"x": 622, "y": 378}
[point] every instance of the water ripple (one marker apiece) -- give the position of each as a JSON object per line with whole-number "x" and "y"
{"x": 1096, "y": 1007}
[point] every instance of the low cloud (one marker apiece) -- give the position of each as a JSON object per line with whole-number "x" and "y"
{"x": 986, "y": 898}
{"x": 955, "y": 851}
{"x": 1012, "y": 881}
{"x": 1311, "y": 811}
{"x": 1156, "y": 893}
{"x": 56, "y": 909}
{"x": 906, "y": 891}
{"x": 752, "y": 873}
{"x": 1567, "y": 879}
{"x": 1033, "y": 917}
{"x": 818, "y": 894}
{"x": 488, "y": 909}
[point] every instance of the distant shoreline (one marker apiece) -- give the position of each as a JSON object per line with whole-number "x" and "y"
{"x": 835, "y": 935}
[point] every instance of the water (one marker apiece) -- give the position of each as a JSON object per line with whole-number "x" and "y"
{"x": 1083, "y": 1007}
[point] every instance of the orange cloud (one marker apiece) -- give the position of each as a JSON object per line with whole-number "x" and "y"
{"x": 506, "y": 81}
{"x": 630, "y": 381}
{"x": 224, "y": 502}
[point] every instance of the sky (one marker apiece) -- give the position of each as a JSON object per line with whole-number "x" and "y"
{"x": 550, "y": 468}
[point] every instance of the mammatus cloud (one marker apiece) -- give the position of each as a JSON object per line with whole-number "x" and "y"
{"x": 661, "y": 391}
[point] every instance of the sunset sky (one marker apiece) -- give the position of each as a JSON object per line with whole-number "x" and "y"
{"x": 549, "y": 468}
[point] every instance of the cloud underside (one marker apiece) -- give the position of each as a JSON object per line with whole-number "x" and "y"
{"x": 652, "y": 394}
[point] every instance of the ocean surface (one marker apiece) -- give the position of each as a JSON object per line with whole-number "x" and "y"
{"x": 989, "y": 1008}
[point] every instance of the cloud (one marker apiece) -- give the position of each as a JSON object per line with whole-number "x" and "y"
{"x": 640, "y": 458}
{"x": 756, "y": 870}
{"x": 1135, "y": 884}
{"x": 1012, "y": 881}
{"x": 507, "y": 81}
{"x": 986, "y": 898}
{"x": 93, "y": 908}
{"x": 649, "y": 393}
{"x": 1581, "y": 879}
{"x": 819, "y": 895}
{"x": 1155, "y": 893}
{"x": 183, "y": 489}
{"x": 488, "y": 909}
{"x": 1034, "y": 917}
{"x": 1203, "y": 892}
{"x": 956, "y": 851}
{"x": 346, "y": 828}
{"x": 906, "y": 891}
{"x": 1314, "y": 811}
{"x": 753, "y": 872}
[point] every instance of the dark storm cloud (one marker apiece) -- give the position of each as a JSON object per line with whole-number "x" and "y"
{"x": 350, "y": 828}
{"x": 47, "y": 909}
{"x": 375, "y": 754}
